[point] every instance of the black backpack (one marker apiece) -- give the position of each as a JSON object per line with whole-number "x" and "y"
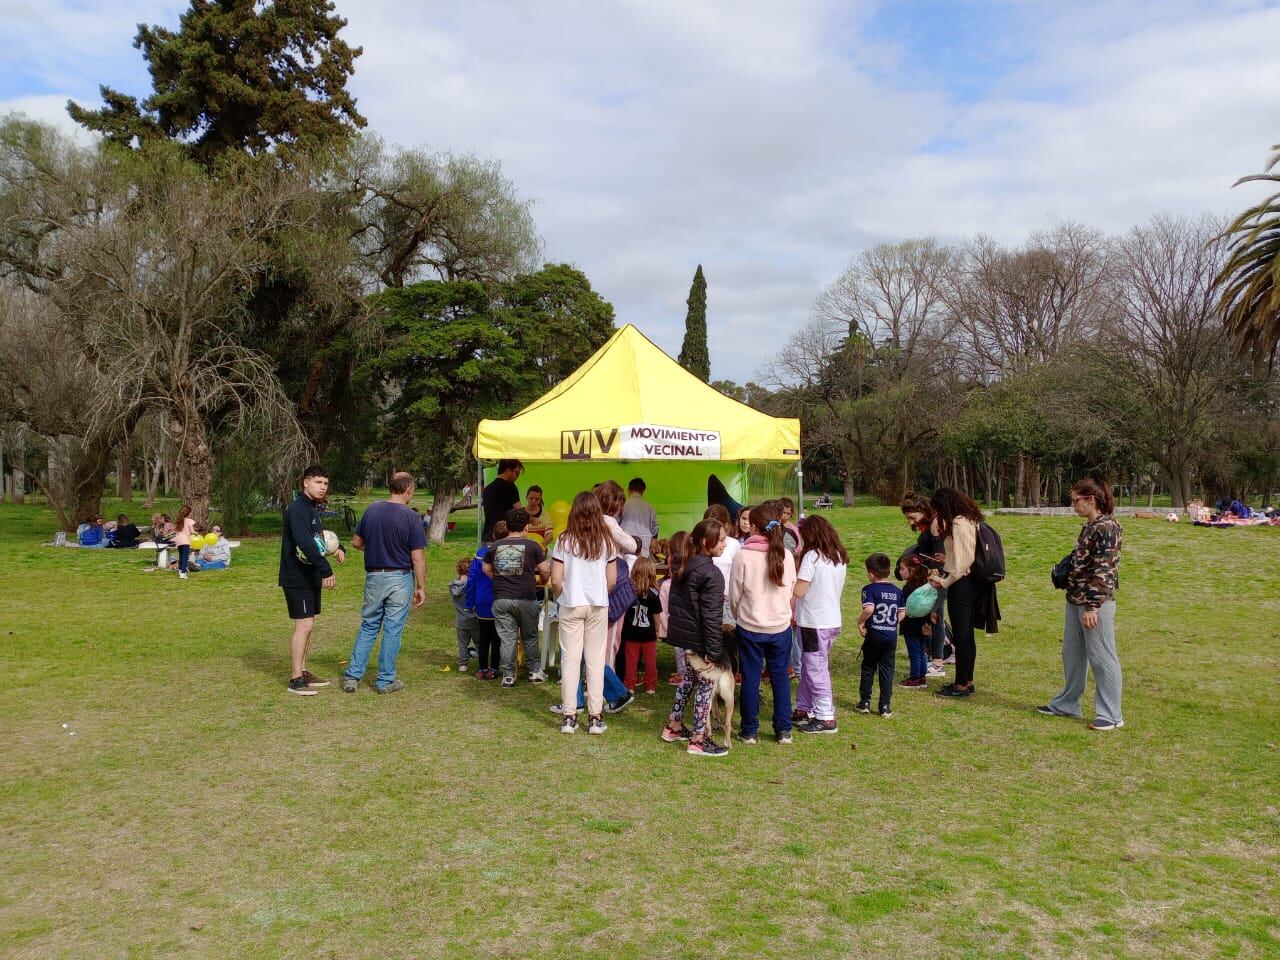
{"x": 988, "y": 556}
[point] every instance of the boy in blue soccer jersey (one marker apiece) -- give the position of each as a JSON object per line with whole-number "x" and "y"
{"x": 883, "y": 608}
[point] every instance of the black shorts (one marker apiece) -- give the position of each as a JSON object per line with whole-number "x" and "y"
{"x": 303, "y": 602}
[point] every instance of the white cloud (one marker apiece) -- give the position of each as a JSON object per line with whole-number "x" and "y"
{"x": 771, "y": 142}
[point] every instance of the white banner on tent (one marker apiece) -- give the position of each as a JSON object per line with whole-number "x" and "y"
{"x": 647, "y": 441}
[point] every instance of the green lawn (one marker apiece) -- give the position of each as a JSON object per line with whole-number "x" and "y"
{"x": 199, "y": 810}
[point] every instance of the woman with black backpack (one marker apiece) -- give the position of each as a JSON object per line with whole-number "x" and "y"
{"x": 955, "y": 519}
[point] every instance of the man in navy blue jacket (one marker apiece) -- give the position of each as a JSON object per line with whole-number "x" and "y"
{"x": 304, "y": 571}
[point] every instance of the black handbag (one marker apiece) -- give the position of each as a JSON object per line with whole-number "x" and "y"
{"x": 1060, "y": 571}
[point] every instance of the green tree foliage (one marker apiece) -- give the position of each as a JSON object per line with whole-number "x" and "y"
{"x": 425, "y": 215}
{"x": 1249, "y": 283}
{"x": 556, "y": 316}
{"x": 694, "y": 355}
{"x": 452, "y": 352}
{"x": 238, "y": 75}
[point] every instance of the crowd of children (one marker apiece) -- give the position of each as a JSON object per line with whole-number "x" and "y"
{"x": 754, "y": 595}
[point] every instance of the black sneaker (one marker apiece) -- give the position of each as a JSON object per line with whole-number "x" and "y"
{"x": 299, "y": 686}
{"x": 818, "y": 726}
{"x": 707, "y": 748}
{"x": 863, "y": 707}
{"x": 676, "y": 736}
{"x": 885, "y": 712}
{"x": 620, "y": 704}
{"x": 1048, "y": 711}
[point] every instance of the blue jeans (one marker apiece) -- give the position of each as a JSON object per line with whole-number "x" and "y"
{"x": 387, "y": 597}
{"x": 917, "y": 656}
{"x": 756, "y": 650}
{"x": 613, "y": 688}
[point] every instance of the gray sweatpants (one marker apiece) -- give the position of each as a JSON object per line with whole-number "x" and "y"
{"x": 1083, "y": 649}
{"x": 512, "y": 618}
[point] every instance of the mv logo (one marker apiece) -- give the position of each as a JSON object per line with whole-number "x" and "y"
{"x": 585, "y": 444}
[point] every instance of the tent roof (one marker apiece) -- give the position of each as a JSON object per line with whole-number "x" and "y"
{"x": 609, "y": 407}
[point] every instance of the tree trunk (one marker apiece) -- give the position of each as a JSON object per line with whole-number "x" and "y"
{"x": 88, "y": 476}
{"x": 988, "y": 460}
{"x": 126, "y": 469}
{"x": 153, "y": 483}
{"x": 1020, "y": 483}
{"x": 196, "y": 483}
{"x": 1033, "y": 483}
{"x": 846, "y": 475}
{"x": 441, "y": 507}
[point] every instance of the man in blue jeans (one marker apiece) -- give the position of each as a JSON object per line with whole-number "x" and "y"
{"x": 394, "y": 545}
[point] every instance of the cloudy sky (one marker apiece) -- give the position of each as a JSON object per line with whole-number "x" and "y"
{"x": 772, "y": 141}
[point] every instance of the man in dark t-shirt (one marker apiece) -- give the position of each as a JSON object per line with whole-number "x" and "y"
{"x": 304, "y": 570}
{"x": 390, "y": 534}
{"x": 500, "y": 495}
{"x": 515, "y": 563}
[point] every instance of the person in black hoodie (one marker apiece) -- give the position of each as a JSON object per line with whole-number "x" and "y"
{"x": 304, "y": 571}
{"x": 695, "y": 621}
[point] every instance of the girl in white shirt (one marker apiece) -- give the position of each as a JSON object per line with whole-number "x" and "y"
{"x": 582, "y": 574}
{"x": 819, "y": 584}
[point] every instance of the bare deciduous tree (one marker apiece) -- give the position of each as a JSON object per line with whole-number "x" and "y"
{"x": 1168, "y": 345}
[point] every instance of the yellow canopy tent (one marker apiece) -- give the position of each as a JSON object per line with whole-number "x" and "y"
{"x": 631, "y": 410}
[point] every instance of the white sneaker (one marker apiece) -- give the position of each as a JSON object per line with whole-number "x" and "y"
{"x": 182, "y": 576}
{"x": 935, "y": 671}
{"x": 597, "y": 725}
{"x": 537, "y": 677}
{"x": 570, "y": 724}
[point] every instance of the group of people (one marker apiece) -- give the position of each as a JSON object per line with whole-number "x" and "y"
{"x": 754, "y": 594}
{"x": 213, "y": 553}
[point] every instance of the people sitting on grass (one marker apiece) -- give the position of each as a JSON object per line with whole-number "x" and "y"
{"x": 92, "y": 534}
{"x": 215, "y": 554}
{"x": 127, "y": 535}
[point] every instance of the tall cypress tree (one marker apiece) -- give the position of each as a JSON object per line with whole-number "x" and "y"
{"x": 693, "y": 352}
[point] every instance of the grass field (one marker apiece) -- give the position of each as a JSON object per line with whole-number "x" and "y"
{"x": 201, "y": 811}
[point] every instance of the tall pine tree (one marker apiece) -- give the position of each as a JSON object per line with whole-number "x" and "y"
{"x": 693, "y": 352}
{"x": 238, "y": 75}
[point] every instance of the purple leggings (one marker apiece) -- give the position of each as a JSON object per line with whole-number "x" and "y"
{"x": 813, "y": 693}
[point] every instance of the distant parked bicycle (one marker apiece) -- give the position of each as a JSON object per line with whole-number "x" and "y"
{"x": 339, "y": 507}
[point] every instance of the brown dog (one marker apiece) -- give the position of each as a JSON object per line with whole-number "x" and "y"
{"x": 721, "y": 677}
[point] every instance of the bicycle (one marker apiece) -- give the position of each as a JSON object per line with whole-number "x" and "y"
{"x": 340, "y": 508}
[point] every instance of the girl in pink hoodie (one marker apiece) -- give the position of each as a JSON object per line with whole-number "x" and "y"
{"x": 761, "y": 583}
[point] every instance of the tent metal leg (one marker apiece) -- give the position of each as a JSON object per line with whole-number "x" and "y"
{"x": 479, "y": 501}
{"x": 799, "y": 491}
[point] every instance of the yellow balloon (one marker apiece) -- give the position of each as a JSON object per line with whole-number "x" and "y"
{"x": 210, "y": 539}
{"x": 559, "y": 513}
{"x": 197, "y": 542}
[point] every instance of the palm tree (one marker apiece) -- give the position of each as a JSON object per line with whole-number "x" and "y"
{"x": 1249, "y": 284}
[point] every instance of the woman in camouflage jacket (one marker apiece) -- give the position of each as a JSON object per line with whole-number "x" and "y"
{"x": 1089, "y": 634}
